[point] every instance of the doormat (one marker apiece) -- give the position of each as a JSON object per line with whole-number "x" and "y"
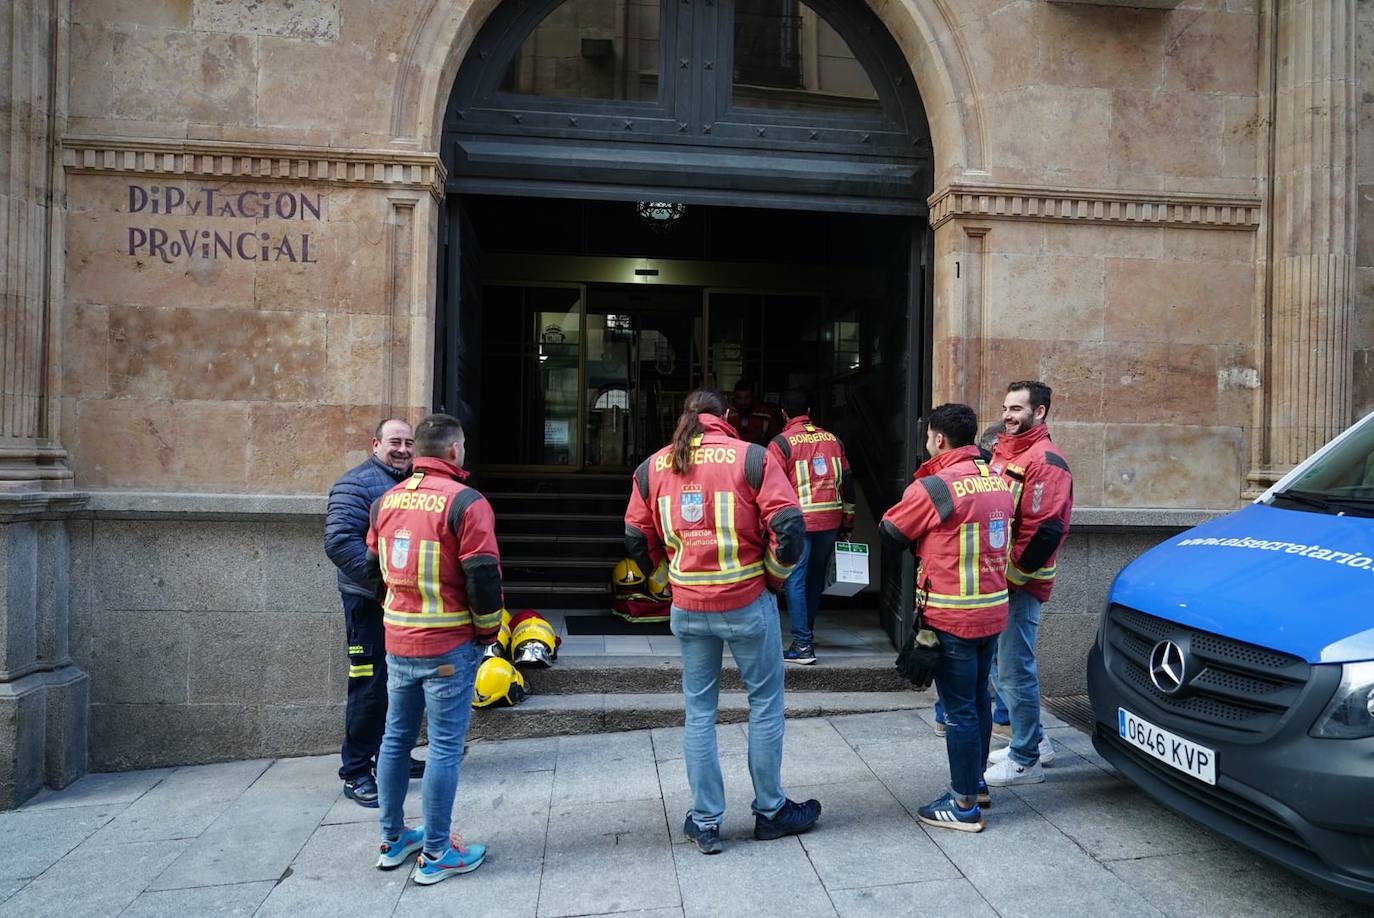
{"x": 578, "y": 625}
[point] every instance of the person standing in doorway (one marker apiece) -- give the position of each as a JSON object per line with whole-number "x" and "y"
{"x": 1043, "y": 487}
{"x": 754, "y": 421}
{"x": 432, "y": 542}
{"x": 956, "y": 516}
{"x": 818, "y": 471}
{"x": 728, "y": 524}
{"x": 345, "y": 543}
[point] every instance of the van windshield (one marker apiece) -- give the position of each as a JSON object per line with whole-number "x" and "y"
{"x": 1342, "y": 482}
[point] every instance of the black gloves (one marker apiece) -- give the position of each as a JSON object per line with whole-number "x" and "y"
{"x": 919, "y": 658}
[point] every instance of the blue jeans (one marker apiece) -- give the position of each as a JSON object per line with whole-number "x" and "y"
{"x": 962, "y": 679}
{"x": 1018, "y": 679}
{"x": 756, "y": 644}
{"x": 808, "y": 579}
{"x": 999, "y": 710}
{"x": 415, "y": 685}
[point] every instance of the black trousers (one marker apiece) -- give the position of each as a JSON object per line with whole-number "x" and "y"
{"x": 365, "y": 713}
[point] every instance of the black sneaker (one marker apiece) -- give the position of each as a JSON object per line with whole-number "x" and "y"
{"x": 804, "y": 654}
{"x": 417, "y": 768}
{"x": 707, "y": 840}
{"x": 361, "y": 790}
{"x": 984, "y": 798}
{"x": 792, "y": 819}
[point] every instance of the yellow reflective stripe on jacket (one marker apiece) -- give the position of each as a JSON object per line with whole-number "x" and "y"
{"x": 427, "y": 578}
{"x": 727, "y": 539}
{"x": 717, "y": 578}
{"x": 670, "y": 536}
{"x": 975, "y": 601}
{"x": 1018, "y": 577}
{"x": 803, "y": 482}
{"x": 776, "y": 567}
{"x": 968, "y": 558}
{"x": 488, "y": 621}
{"x": 402, "y": 619}
{"x": 355, "y": 672}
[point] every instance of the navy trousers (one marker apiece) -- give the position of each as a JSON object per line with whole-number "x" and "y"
{"x": 365, "y": 713}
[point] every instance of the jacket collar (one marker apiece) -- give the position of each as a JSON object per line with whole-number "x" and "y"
{"x": 440, "y": 467}
{"x": 713, "y": 425}
{"x": 395, "y": 473}
{"x": 797, "y": 422}
{"x": 1016, "y": 444}
{"x": 946, "y": 460}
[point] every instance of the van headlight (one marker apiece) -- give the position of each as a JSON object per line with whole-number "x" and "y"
{"x": 1350, "y": 715}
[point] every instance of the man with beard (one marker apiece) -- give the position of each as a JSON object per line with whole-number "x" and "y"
{"x": 345, "y": 542}
{"x": 1042, "y": 486}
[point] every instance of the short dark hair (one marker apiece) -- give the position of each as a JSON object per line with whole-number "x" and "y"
{"x": 1039, "y": 393}
{"x": 958, "y": 423}
{"x": 743, "y": 385}
{"x": 796, "y": 402}
{"x": 435, "y": 434}
{"x": 377, "y": 434}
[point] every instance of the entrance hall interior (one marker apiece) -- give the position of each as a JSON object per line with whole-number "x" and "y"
{"x": 594, "y": 319}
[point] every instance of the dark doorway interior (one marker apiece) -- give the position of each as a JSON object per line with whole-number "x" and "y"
{"x": 587, "y": 327}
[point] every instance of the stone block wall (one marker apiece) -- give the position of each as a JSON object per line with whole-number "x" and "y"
{"x": 1362, "y": 333}
{"x": 213, "y": 631}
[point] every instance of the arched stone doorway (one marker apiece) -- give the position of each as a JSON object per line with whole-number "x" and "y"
{"x": 798, "y": 123}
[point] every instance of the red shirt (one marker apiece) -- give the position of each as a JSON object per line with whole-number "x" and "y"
{"x": 435, "y": 541}
{"x": 958, "y": 515}
{"x": 728, "y": 526}
{"x": 1043, "y": 488}
{"x": 818, "y": 471}
{"x": 757, "y": 425}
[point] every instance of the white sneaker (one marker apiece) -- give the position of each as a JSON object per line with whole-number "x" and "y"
{"x": 1008, "y": 772}
{"x": 1046, "y": 753}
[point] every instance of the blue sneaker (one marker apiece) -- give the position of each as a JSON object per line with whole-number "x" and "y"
{"x": 792, "y": 819}
{"x": 459, "y": 858}
{"x": 804, "y": 654}
{"x": 394, "y": 853}
{"x": 945, "y": 813}
{"x": 707, "y": 840}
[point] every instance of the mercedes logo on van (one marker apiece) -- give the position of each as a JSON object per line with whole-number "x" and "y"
{"x": 1166, "y": 667}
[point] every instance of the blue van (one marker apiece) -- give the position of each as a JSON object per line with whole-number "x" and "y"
{"x": 1233, "y": 674}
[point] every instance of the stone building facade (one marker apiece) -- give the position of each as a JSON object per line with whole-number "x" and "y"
{"x": 221, "y": 226}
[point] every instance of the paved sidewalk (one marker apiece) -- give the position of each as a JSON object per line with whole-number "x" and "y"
{"x": 591, "y": 825}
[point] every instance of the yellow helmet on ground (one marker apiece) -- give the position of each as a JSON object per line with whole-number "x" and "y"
{"x": 626, "y": 574}
{"x": 498, "y": 682}
{"x": 501, "y": 648}
{"x": 659, "y": 588}
{"x": 532, "y": 640}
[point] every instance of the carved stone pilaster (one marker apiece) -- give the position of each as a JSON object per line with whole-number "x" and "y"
{"x": 1306, "y": 338}
{"x": 32, "y": 114}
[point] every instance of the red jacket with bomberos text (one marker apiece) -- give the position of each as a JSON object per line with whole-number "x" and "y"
{"x": 434, "y": 539}
{"x": 1043, "y": 487}
{"x": 728, "y": 526}
{"x": 814, "y": 461}
{"x": 958, "y": 514}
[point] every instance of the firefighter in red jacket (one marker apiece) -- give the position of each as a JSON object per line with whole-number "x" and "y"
{"x": 957, "y": 516}
{"x": 754, "y": 421}
{"x": 728, "y": 524}
{"x": 819, "y": 472}
{"x": 1043, "y": 487}
{"x": 433, "y": 541}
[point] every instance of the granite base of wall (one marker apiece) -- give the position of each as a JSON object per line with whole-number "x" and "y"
{"x": 211, "y": 627}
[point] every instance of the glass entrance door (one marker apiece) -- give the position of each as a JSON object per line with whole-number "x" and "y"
{"x": 643, "y": 357}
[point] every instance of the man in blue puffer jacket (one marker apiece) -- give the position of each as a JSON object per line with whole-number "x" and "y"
{"x": 345, "y": 542}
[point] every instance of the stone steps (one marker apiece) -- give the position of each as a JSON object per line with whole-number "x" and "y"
{"x": 620, "y": 673}
{"x": 567, "y": 715}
